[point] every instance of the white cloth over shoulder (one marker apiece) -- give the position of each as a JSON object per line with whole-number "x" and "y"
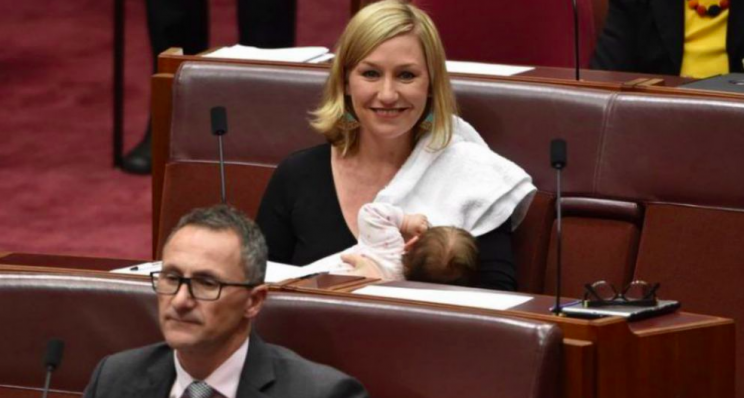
{"x": 465, "y": 185}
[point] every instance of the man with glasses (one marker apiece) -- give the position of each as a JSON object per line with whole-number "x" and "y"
{"x": 209, "y": 291}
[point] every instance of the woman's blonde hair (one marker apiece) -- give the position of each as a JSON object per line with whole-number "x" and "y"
{"x": 369, "y": 28}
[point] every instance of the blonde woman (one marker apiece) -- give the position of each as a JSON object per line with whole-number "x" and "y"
{"x": 389, "y": 116}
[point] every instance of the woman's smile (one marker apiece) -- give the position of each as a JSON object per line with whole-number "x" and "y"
{"x": 389, "y": 113}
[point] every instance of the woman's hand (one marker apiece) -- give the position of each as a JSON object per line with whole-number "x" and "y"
{"x": 363, "y": 266}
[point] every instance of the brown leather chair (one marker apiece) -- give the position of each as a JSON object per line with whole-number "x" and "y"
{"x": 687, "y": 168}
{"x": 94, "y": 316}
{"x": 394, "y": 349}
{"x": 400, "y": 350}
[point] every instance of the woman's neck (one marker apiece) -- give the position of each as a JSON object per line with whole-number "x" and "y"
{"x": 384, "y": 153}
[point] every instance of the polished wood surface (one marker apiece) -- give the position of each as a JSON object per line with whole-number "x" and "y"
{"x": 17, "y": 392}
{"x": 68, "y": 262}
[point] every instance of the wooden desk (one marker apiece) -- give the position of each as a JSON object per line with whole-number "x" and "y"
{"x": 676, "y": 355}
{"x": 70, "y": 262}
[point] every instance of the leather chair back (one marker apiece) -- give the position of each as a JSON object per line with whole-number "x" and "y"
{"x": 394, "y": 349}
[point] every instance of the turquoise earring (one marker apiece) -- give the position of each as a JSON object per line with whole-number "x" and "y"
{"x": 428, "y": 123}
{"x": 348, "y": 122}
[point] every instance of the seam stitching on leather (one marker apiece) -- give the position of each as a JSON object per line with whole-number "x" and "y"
{"x": 609, "y": 110}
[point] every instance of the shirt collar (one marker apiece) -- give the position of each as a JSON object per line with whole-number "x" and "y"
{"x": 224, "y": 380}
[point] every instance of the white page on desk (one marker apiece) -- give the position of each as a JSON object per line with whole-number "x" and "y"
{"x": 487, "y": 300}
{"x": 486, "y": 69}
{"x": 140, "y": 269}
{"x": 277, "y": 272}
{"x": 291, "y": 54}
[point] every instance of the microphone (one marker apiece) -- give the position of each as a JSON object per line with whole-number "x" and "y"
{"x": 219, "y": 128}
{"x": 52, "y": 359}
{"x": 558, "y": 160}
{"x": 576, "y": 38}
{"x": 558, "y": 154}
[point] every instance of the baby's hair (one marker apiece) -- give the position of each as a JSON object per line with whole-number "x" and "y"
{"x": 443, "y": 255}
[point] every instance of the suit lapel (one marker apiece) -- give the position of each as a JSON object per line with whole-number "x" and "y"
{"x": 670, "y": 18}
{"x": 159, "y": 380}
{"x": 258, "y": 371}
{"x": 735, "y": 34}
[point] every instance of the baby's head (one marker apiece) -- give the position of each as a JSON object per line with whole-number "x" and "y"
{"x": 446, "y": 255}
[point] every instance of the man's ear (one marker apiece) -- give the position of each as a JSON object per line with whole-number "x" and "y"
{"x": 255, "y": 303}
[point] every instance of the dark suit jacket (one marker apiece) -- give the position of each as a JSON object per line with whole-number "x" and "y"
{"x": 269, "y": 371}
{"x": 647, "y": 36}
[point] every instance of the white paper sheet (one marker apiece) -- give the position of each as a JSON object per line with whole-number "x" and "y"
{"x": 486, "y": 69}
{"x": 140, "y": 269}
{"x": 292, "y": 54}
{"x": 275, "y": 272}
{"x": 487, "y": 300}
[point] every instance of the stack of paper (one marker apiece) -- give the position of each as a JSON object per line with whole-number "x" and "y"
{"x": 488, "y": 300}
{"x": 479, "y": 68}
{"x": 292, "y": 54}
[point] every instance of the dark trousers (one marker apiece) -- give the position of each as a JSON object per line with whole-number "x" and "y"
{"x": 185, "y": 24}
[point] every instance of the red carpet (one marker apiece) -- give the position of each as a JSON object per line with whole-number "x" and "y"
{"x": 59, "y": 191}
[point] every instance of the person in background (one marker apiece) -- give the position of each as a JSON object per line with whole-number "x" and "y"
{"x": 210, "y": 290}
{"x": 185, "y": 24}
{"x": 689, "y": 38}
{"x": 389, "y": 116}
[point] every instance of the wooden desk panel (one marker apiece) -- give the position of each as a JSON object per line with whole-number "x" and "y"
{"x": 70, "y": 262}
{"x": 20, "y": 392}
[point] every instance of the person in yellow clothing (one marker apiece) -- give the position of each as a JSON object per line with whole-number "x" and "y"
{"x": 693, "y": 38}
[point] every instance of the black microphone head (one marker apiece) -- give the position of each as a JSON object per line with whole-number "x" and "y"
{"x": 558, "y": 156}
{"x": 53, "y": 357}
{"x": 219, "y": 120}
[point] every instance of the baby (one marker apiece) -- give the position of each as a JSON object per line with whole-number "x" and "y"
{"x": 403, "y": 246}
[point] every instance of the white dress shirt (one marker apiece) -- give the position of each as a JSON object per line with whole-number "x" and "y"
{"x": 224, "y": 380}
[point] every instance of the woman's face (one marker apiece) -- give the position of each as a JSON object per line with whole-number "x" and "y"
{"x": 389, "y": 88}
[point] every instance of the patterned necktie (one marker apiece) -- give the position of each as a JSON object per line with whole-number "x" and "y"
{"x": 198, "y": 389}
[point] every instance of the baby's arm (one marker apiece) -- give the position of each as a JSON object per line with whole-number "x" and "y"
{"x": 379, "y": 226}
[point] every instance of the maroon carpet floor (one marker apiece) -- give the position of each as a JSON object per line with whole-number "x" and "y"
{"x": 60, "y": 193}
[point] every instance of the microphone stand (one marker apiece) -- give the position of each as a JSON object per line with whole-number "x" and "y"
{"x": 52, "y": 360}
{"x": 219, "y": 128}
{"x": 558, "y": 160}
{"x": 222, "y": 170}
{"x": 559, "y": 242}
{"x": 48, "y": 381}
{"x": 576, "y": 40}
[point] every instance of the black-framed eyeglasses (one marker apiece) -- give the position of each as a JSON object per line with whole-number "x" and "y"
{"x": 200, "y": 287}
{"x": 637, "y": 293}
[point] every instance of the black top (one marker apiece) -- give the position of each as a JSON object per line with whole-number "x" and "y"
{"x": 302, "y": 220}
